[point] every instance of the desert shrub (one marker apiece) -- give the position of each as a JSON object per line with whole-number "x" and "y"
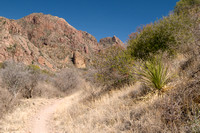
{"x": 177, "y": 111}
{"x": 34, "y": 68}
{"x": 175, "y": 33}
{"x": 154, "y": 73}
{"x": 42, "y": 74}
{"x": 140, "y": 92}
{"x": 68, "y": 80}
{"x": 164, "y": 35}
{"x": 90, "y": 76}
{"x": 18, "y": 79}
{"x": 47, "y": 72}
{"x": 47, "y": 90}
{"x": 114, "y": 67}
{"x": 181, "y": 107}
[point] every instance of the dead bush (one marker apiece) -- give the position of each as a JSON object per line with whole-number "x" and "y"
{"x": 181, "y": 107}
{"x": 68, "y": 80}
{"x": 46, "y": 90}
{"x": 18, "y": 79}
{"x": 90, "y": 76}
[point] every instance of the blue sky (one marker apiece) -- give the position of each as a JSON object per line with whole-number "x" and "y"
{"x": 101, "y": 18}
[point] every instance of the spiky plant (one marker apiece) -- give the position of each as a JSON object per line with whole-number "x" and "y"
{"x": 154, "y": 74}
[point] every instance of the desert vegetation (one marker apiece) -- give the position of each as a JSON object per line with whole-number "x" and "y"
{"x": 114, "y": 67}
{"x": 157, "y": 81}
{"x": 152, "y": 86}
{"x": 19, "y": 81}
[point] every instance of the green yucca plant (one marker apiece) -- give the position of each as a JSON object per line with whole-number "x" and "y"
{"x": 154, "y": 74}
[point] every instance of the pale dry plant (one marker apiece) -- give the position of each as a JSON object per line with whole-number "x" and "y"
{"x": 46, "y": 90}
{"x": 18, "y": 79}
{"x": 68, "y": 80}
{"x": 120, "y": 111}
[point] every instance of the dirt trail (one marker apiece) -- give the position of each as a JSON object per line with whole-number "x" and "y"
{"x": 34, "y": 115}
{"x": 40, "y": 124}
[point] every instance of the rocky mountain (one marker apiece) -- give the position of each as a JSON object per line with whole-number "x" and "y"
{"x": 48, "y": 41}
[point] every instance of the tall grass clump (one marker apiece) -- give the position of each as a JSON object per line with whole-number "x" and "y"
{"x": 154, "y": 74}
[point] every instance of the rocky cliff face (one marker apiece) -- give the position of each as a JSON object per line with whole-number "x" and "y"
{"x": 47, "y": 41}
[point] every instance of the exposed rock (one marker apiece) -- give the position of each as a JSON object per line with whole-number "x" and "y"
{"x": 110, "y": 41}
{"x": 86, "y": 49}
{"x": 56, "y": 38}
{"x": 47, "y": 41}
{"x": 78, "y": 60}
{"x": 41, "y": 61}
{"x": 49, "y": 65}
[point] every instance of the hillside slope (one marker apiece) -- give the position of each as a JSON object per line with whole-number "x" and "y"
{"x": 47, "y": 41}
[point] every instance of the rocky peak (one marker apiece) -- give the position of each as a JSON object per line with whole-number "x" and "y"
{"x": 111, "y": 41}
{"x": 114, "y": 39}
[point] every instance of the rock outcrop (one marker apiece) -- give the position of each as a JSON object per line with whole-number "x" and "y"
{"x": 111, "y": 41}
{"x": 48, "y": 41}
{"x": 78, "y": 60}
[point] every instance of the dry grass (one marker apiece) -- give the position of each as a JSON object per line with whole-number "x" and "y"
{"x": 134, "y": 109}
{"x": 105, "y": 114}
{"x": 129, "y": 109}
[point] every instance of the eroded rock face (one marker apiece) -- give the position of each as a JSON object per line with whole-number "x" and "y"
{"x": 15, "y": 46}
{"x": 78, "y": 60}
{"x": 47, "y": 41}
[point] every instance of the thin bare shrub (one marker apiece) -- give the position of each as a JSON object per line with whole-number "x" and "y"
{"x": 46, "y": 90}
{"x": 18, "y": 79}
{"x": 68, "y": 80}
